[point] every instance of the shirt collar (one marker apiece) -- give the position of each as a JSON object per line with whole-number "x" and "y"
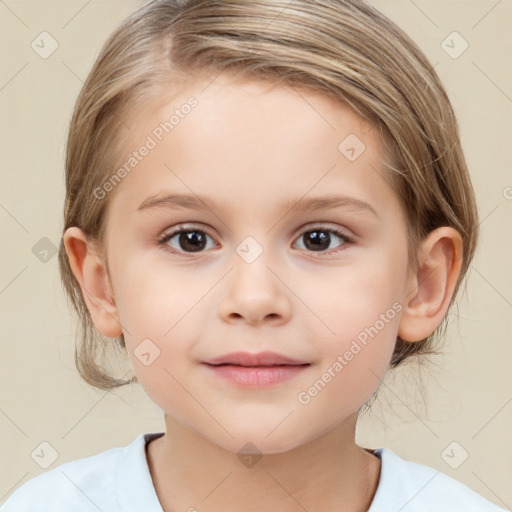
{"x": 134, "y": 486}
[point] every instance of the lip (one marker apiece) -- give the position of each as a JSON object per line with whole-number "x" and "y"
{"x": 260, "y": 359}
{"x": 258, "y": 371}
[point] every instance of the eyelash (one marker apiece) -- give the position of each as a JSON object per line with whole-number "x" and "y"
{"x": 162, "y": 241}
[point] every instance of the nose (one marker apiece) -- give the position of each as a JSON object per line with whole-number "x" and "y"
{"x": 254, "y": 293}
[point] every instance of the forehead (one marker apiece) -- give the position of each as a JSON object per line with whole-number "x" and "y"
{"x": 240, "y": 141}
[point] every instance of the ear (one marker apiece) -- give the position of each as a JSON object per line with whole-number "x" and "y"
{"x": 431, "y": 288}
{"x": 90, "y": 272}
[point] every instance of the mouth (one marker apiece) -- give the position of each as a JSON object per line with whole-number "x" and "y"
{"x": 255, "y": 370}
{"x": 248, "y": 359}
{"x": 256, "y": 365}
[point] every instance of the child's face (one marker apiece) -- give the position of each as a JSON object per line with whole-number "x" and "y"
{"x": 254, "y": 151}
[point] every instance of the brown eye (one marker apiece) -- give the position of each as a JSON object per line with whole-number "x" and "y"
{"x": 320, "y": 239}
{"x": 185, "y": 240}
{"x": 192, "y": 241}
{"x": 317, "y": 240}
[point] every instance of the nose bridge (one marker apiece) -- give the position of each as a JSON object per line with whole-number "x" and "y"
{"x": 252, "y": 267}
{"x": 254, "y": 292}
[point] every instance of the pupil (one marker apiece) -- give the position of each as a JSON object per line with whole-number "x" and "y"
{"x": 319, "y": 240}
{"x": 192, "y": 240}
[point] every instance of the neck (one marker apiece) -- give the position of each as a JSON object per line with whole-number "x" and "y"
{"x": 330, "y": 473}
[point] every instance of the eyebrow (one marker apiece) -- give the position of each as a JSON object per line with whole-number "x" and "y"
{"x": 194, "y": 202}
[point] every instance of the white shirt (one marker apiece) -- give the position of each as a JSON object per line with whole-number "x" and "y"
{"x": 119, "y": 480}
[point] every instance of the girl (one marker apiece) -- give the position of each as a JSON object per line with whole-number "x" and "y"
{"x": 268, "y": 208}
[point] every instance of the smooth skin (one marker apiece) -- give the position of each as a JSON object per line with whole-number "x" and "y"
{"x": 251, "y": 147}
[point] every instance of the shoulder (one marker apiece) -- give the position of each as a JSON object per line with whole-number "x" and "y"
{"x": 413, "y": 487}
{"x": 86, "y": 484}
{"x": 81, "y": 483}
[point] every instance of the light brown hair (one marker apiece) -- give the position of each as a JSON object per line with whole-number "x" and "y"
{"x": 346, "y": 49}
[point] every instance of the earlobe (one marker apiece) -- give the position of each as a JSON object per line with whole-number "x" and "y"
{"x": 90, "y": 272}
{"x": 432, "y": 287}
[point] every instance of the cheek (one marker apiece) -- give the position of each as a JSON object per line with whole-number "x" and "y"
{"x": 357, "y": 295}
{"x": 162, "y": 310}
{"x": 359, "y": 312}
{"x": 155, "y": 299}
{"x": 152, "y": 305}
{"x": 353, "y": 360}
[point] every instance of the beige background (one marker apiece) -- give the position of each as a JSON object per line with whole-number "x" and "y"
{"x": 469, "y": 392}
